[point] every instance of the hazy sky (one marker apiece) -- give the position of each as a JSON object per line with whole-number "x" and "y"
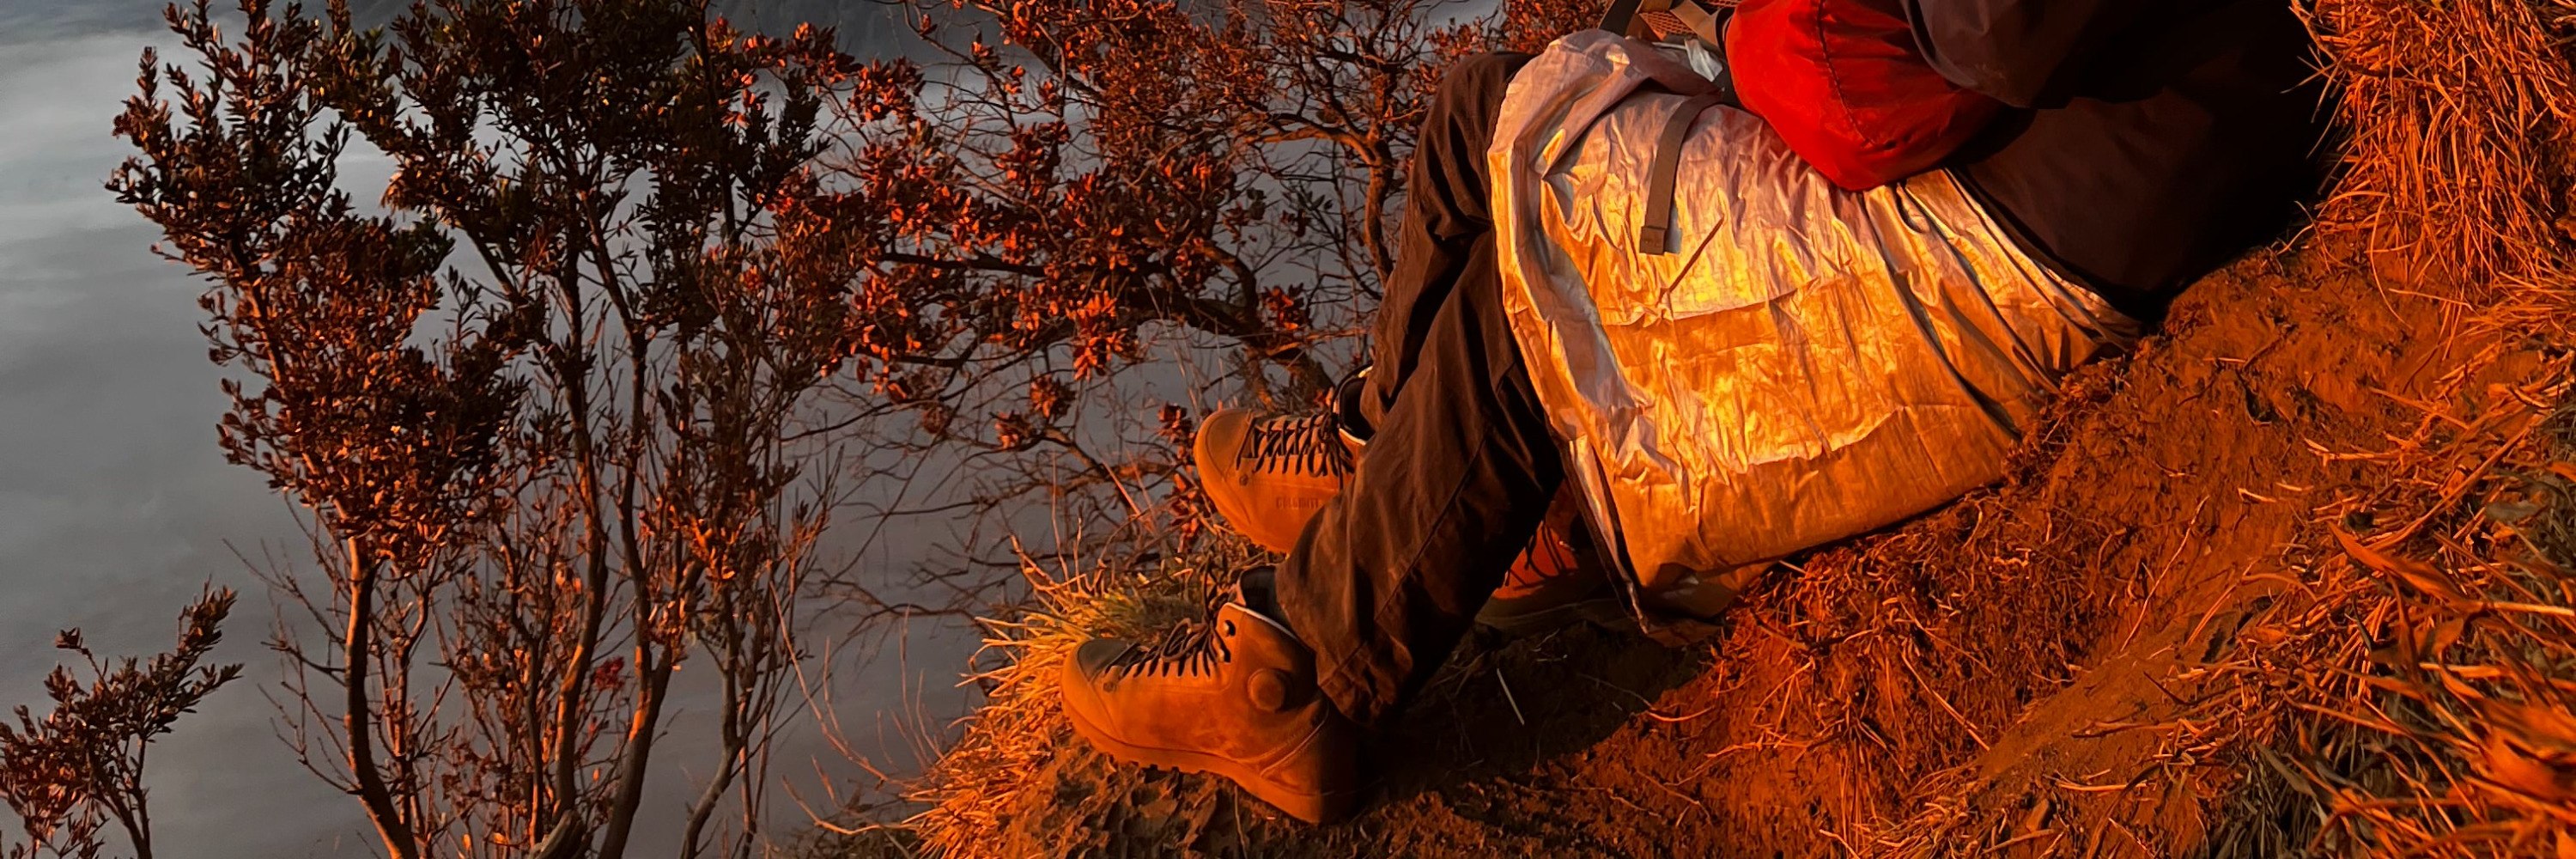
{"x": 115, "y": 504}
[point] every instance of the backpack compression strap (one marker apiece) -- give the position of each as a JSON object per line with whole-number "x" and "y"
{"x": 1655, "y": 236}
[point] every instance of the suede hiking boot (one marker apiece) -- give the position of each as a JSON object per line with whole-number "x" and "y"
{"x": 1239, "y": 701}
{"x": 1557, "y": 581}
{"x": 1268, "y": 475}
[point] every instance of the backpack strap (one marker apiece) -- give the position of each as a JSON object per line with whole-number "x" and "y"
{"x": 1655, "y": 236}
{"x": 1671, "y": 21}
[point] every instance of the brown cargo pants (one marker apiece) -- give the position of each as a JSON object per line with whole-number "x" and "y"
{"x": 1460, "y": 465}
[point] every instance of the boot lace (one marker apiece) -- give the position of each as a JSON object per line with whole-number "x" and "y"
{"x": 1311, "y": 445}
{"x": 1192, "y": 650}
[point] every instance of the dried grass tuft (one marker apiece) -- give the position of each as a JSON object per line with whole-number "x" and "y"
{"x": 2458, "y": 139}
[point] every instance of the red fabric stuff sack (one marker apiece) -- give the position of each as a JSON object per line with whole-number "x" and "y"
{"x": 1844, "y": 85}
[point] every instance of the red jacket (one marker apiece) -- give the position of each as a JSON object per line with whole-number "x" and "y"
{"x": 1845, "y": 86}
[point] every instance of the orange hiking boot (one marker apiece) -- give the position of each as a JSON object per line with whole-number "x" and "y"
{"x": 1239, "y": 702}
{"x": 1268, "y": 475}
{"x": 1557, "y": 581}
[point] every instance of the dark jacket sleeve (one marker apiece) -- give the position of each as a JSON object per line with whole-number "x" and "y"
{"x": 2024, "y": 53}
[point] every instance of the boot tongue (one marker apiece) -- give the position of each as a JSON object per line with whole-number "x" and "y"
{"x": 1198, "y": 648}
{"x": 1354, "y": 411}
{"x": 1257, "y": 594}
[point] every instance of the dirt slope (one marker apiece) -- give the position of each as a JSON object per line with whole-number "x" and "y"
{"x": 2000, "y": 676}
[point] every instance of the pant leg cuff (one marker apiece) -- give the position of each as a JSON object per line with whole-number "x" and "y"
{"x": 1352, "y": 693}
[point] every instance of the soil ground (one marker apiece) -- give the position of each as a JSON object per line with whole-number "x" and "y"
{"x": 2003, "y": 674}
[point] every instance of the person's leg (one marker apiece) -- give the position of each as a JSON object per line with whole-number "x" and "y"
{"x": 1268, "y": 474}
{"x": 1460, "y": 467}
{"x": 1444, "y": 212}
{"x": 1390, "y": 574}
{"x": 1386, "y": 578}
{"x": 1382, "y": 583}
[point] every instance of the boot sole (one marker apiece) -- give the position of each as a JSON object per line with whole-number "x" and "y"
{"x": 1307, "y": 806}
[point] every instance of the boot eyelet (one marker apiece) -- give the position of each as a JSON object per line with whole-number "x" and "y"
{"x": 1229, "y": 627}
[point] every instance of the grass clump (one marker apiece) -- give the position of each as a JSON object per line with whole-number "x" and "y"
{"x": 2457, "y": 133}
